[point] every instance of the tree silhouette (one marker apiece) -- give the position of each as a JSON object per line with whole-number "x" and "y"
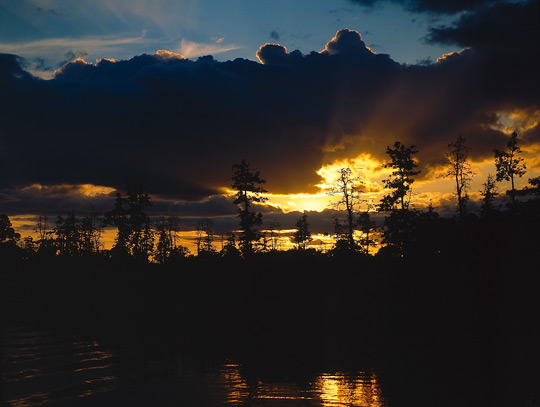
{"x": 347, "y": 188}
{"x": 119, "y": 217}
{"x": 302, "y": 236}
{"x": 68, "y": 235}
{"x": 247, "y": 182}
{"x": 45, "y": 243}
{"x": 488, "y": 193}
{"x": 509, "y": 164}
{"x": 535, "y": 185}
{"x": 42, "y": 227}
{"x": 273, "y": 227}
{"x": 205, "y": 237}
{"x": 367, "y": 226}
{"x": 29, "y": 246}
{"x": 167, "y": 248}
{"x": 134, "y": 237}
{"x": 90, "y": 233}
{"x": 401, "y": 179}
{"x": 7, "y": 232}
{"x": 460, "y": 171}
{"x": 74, "y": 237}
{"x": 165, "y": 240}
{"x": 399, "y": 232}
{"x": 8, "y": 239}
{"x": 264, "y": 243}
{"x": 530, "y": 190}
{"x": 141, "y": 234}
{"x": 230, "y": 249}
{"x": 341, "y": 236}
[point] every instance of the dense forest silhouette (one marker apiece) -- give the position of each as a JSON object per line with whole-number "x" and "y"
{"x": 439, "y": 295}
{"x": 405, "y": 232}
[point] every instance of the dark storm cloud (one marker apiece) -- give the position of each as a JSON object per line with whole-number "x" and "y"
{"x": 177, "y": 125}
{"x": 503, "y": 27}
{"x": 502, "y": 59}
{"x": 62, "y": 199}
{"x": 52, "y": 201}
{"x": 217, "y": 205}
{"x": 434, "y": 6}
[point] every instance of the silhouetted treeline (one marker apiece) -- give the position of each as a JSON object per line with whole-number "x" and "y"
{"x": 406, "y": 232}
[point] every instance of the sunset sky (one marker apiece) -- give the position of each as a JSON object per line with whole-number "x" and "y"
{"x": 170, "y": 93}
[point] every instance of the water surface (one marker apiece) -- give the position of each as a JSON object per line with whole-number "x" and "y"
{"x": 41, "y": 367}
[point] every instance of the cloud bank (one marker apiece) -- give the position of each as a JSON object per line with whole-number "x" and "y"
{"x": 177, "y": 125}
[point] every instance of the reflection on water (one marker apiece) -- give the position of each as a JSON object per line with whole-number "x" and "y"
{"x": 328, "y": 390}
{"x": 41, "y": 368}
{"x": 239, "y": 392}
{"x": 235, "y": 387}
{"x": 350, "y": 390}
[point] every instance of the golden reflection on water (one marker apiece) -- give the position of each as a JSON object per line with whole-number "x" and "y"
{"x": 40, "y": 368}
{"x": 345, "y": 390}
{"x": 237, "y": 389}
{"x": 328, "y": 390}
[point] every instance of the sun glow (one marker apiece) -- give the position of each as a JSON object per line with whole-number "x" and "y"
{"x": 517, "y": 120}
{"x": 299, "y": 202}
{"x": 368, "y": 169}
{"x": 431, "y": 190}
{"x": 365, "y": 166}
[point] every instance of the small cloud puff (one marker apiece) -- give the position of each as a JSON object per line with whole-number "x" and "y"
{"x": 347, "y": 42}
{"x": 453, "y": 56}
{"x": 275, "y": 54}
{"x": 164, "y": 55}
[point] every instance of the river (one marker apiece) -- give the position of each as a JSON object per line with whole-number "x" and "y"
{"x": 45, "y": 368}
{"x": 267, "y": 336}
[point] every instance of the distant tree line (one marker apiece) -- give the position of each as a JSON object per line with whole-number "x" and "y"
{"x": 403, "y": 232}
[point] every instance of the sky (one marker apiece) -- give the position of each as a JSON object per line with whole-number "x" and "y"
{"x": 51, "y": 33}
{"x": 98, "y": 94}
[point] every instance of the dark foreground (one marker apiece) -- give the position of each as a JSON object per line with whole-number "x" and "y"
{"x": 434, "y": 331}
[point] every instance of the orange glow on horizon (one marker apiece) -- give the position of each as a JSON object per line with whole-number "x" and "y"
{"x": 364, "y": 166}
{"x": 88, "y": 190}
{"x": 433, "y": 190}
